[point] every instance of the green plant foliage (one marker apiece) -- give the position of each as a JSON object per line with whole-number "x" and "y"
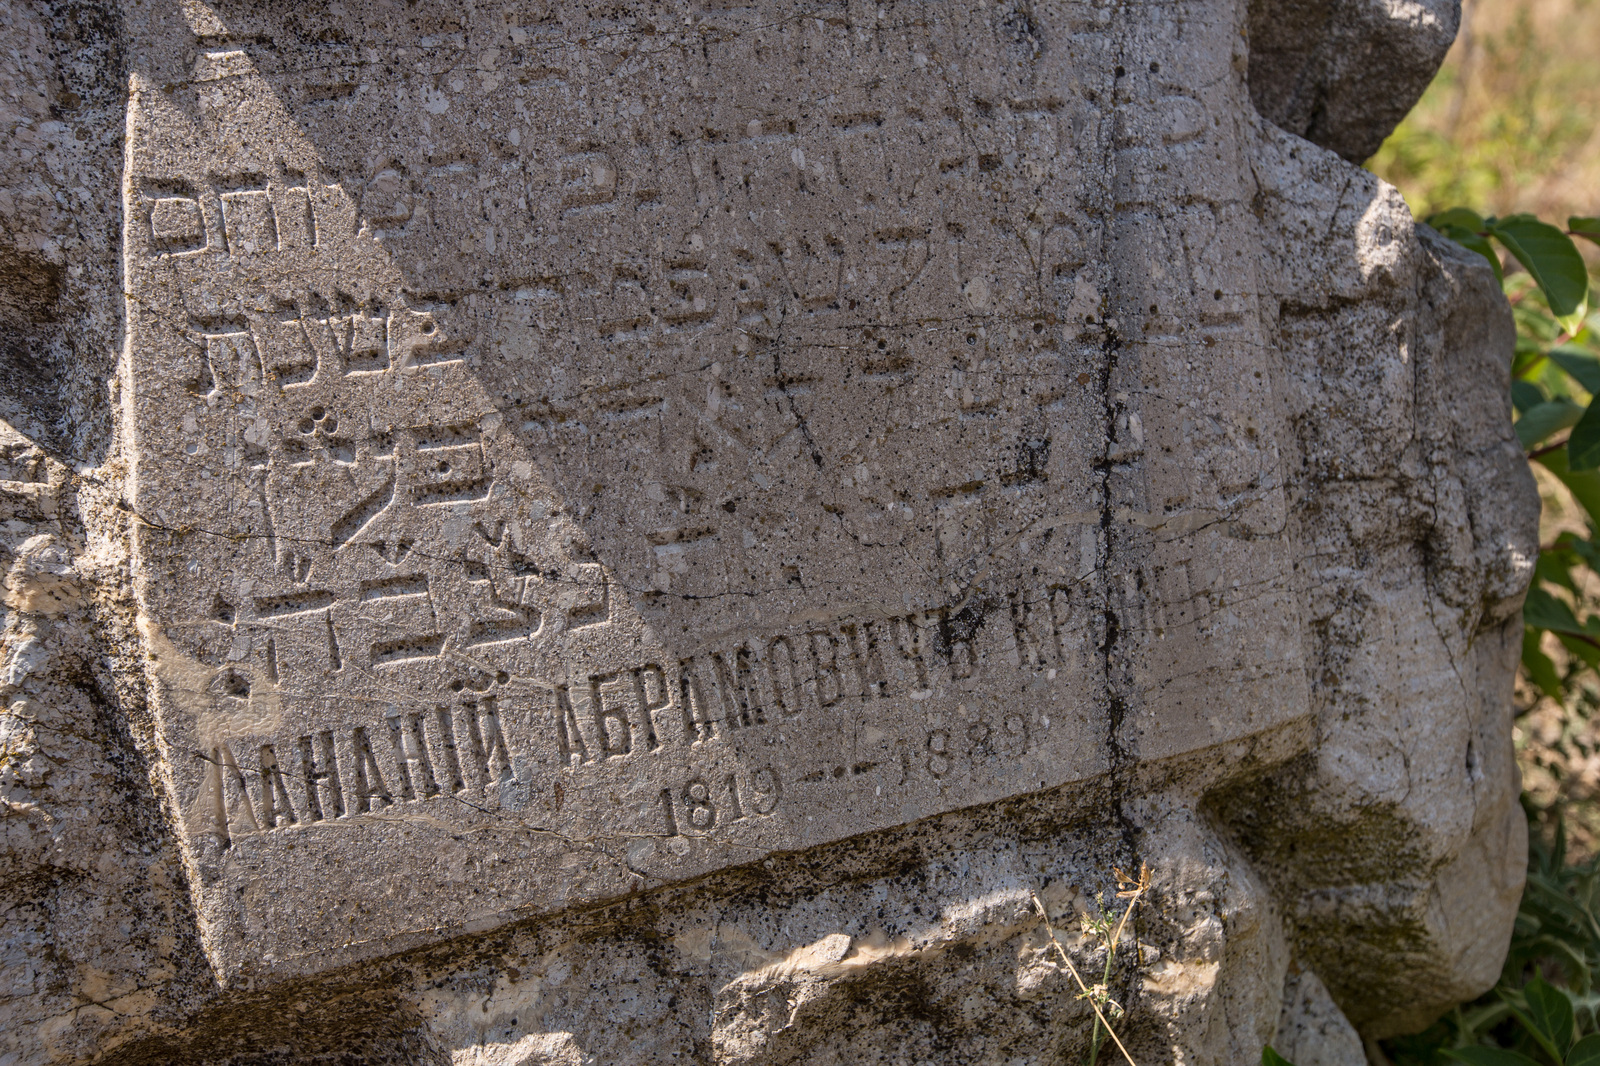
{"x": 1546, "y": 1013}
{"x": 1509, "y": 125}
{"x": 1555, "y": 376}
{"x": 1272, "y": 1058}
{"x": 1588, "y": 228}
{"x": 1547, "y": 418}
{"x": 1489, "y": 1056}
{"x": 1585, "y": 1052}
{"x": 1546, "y": 252}
{"x": 1549, "y": 255}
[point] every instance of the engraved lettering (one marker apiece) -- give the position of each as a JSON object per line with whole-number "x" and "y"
{"x": 862, "y": 640}
{"x": 411, "y": 756}
{"x": 370, "y": 792}
{"x": 274, "y": 793}
{"x": 286, "y": 354}
{"x": 232, "y": 813}
{"x": 697, "y": 798}
{"x": 705, "y": 808}
{"x": 911, "y": 635}
{"x": 321, "y": 777}
{"x": 248, "y": 223}
{"x": 449, "y": 466}
{"x": 699, "y": 724}
{"x": 393, "y": 533}
{"x": 1032, "y": 629}
{"x": 232, "y": 363}
{"x": 398, "y": 651}
{"x": 650, "y": 685}
{"x": 569, "y": 737}
{"x": 828, "y": 677}
{"x": 768, "y": 790}
{"x": 177, "y": 225}
{"x": 938, "y": 753}
{"x": 737, "y": 712}
{"x": 363, "y": 514}
{"x": 666, "y": 812}
{"x": 335, "y": 657}
{"x": 610, "y": 696}
{"x": 1060, "y": 618}
{"x": 783, "y": 668}
{"x": 449, "y": 761}
{"x": 587, "y": 599}
{"x": 367, "y": 345}
{"x": 490, "y": 757}
{"x": 293, "y": 603}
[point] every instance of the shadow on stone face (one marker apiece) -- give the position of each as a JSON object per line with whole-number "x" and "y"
{"x": 30, "y": 340}
{"x": 921, "y": 944}
{"x": 60, "y": 306}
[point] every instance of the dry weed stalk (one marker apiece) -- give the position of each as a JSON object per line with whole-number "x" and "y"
{"x": 1094, "y": 995}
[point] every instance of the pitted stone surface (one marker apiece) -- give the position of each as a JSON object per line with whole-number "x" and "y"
{"x": 670, "y": 530}
{"x": 743, "y": 489}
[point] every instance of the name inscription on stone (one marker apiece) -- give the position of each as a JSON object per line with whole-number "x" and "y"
{"x": 693, "y": 476}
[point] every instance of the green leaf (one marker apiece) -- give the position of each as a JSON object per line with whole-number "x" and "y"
{"x": 1478, "y": 243}
{"x": 1532, "y": 1029}
{"x": 1525, "y": 395}
{"x": 1569, "y": 956}
{"x": 1574, "y": 963}
{"x": 1554, "y": 566}
{"x": 1488, "y": 1056}
{"x": 1574, "y": 323}
{"x": 1585, "y": 1052}
{"x": 1583, "y": 484}
{"x": 1553, "y": 896}
{"x": 1529, "y": 359}
{"x": 1544, "y": 420}
{"x": 1540, "y": 666}
{"x": 1583, "y": 446}
{"x": 1459, "y": 217}
{"x": 1585, "y": 227}
{"x": 1584, "y": 549}
{"x": 1584, "y": 366}
{"x": 1478, "y": 1020}
{"x": 1581, "y": 648}
{"x": 1550, "y": 1011}
{"x": 1272, "y": 1058}
{"x": 1543, "y": 611}
{"x": 1550, "y": 257}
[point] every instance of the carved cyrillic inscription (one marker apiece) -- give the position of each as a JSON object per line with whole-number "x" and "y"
{"x": 727, "y": 480}
{"x": 483, "y": 745}
{"x": 451, "y": 751}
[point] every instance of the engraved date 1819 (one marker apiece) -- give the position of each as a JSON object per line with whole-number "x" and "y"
{"x": 701, "y": 806}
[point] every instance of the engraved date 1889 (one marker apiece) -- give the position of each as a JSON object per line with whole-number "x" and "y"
{"x": 701, "y": 806}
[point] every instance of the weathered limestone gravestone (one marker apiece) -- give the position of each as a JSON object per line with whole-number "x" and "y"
{"x": 650, "y": 533}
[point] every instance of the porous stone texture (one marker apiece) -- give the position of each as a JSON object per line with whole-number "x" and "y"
{"x": 704, "y": 532}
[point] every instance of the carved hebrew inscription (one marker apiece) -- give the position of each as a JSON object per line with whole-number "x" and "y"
{"x": 722, "y": 483}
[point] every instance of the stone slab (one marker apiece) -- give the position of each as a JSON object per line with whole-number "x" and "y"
{"x": 602, "y": 451}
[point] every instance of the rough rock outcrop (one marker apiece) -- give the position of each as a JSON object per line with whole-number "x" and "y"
{"x": 640, "y": 534}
